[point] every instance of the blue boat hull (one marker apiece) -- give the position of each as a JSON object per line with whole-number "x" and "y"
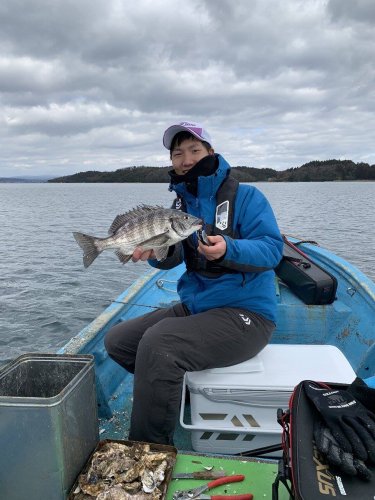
{"x": 346, "y": 324}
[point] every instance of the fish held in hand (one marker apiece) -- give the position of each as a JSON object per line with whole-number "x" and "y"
{"x": 149, "y": 227}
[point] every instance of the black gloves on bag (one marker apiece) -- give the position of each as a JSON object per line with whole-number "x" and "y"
{"x": 346, "y": 433}
{"x": 330, "y": 449}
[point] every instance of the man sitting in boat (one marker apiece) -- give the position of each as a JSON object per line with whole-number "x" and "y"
{"x": 227, "y": 307}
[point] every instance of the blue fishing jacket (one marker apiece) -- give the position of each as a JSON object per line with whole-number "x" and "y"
{"x": 254, "y": 253}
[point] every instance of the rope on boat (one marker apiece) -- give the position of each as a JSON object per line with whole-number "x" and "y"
{"x": 301, "y": 240}
{"x": 133, "y": 304}
{"x": 159, "y": 284}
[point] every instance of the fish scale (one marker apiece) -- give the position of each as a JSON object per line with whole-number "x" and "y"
{"x": 148, "y": 227}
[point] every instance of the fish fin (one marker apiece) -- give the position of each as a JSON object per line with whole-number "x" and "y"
{"x": 124, "y": 258}
{"x": 161, "y": 252}
{"x": 88, "y": 245}
{"x": 122, "y": 219}
{"x": 160, "y": 240}
{"x": 119, "y": 221}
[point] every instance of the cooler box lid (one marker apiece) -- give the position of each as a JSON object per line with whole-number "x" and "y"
{"x": 278, "y": 367}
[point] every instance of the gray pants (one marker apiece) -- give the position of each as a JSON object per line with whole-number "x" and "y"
{"x": 161, "y": 346}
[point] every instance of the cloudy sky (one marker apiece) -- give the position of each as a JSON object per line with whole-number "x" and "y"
{"x": 92, "y": 84}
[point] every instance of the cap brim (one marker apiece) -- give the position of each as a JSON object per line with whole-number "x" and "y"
{"x": 175, "y": 129}
{"x": 170, "y": 133}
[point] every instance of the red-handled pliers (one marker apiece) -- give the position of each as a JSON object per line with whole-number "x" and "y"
{"x": 195, "y": 493}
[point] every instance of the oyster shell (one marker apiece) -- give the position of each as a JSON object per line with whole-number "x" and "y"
{"x": 132, "y": 474}
{"x": 159, "y": 472}
{"x": 115, "y": 493}
{"x": 153, "y": 459}
{"x": 132, "y": 487}
{"x": 152, "y": 479}
{"x": 148, "y": 482}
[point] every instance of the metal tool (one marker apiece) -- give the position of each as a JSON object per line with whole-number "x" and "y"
{"x": 195, "y": 493}
{"x": 244, "y": 496}
{"x": 204, "y": 474}
{"x": 202, "y": 237}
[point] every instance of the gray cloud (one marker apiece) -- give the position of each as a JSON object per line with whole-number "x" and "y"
{"x": 92, "y": 84}
{"x": 362, "y": 11}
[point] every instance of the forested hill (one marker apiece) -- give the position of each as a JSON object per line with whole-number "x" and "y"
{"x": 329, "y": 170}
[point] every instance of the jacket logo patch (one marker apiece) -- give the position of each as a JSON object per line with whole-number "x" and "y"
{"x": 178, "y": 204}
{"x": 245, "y": 319}
{"x": 222, "y": 215}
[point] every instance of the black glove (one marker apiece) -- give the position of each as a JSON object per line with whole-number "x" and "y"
{"x": 351, "y": 424}
{"x": 362, "y": 393}
{"x": 336, "y": 456}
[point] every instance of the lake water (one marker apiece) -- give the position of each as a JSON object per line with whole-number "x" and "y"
{"x": 46, "y": 295}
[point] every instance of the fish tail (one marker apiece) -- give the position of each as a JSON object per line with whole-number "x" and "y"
{"x": 89, "y": 247}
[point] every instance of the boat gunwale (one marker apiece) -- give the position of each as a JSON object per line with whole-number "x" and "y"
{"x": 88, "y": 334}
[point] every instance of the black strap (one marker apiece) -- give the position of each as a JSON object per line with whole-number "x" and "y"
{"x": 226, "y": 193}
{"x": 257, "y": 452}
{"x": 283, "y": 476}
{"x": 304, "y": 264}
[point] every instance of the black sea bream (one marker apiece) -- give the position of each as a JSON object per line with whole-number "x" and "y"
{"x": 147, "y": 227}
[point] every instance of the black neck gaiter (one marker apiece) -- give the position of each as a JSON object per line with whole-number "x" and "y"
{"x": 205, "y": 167}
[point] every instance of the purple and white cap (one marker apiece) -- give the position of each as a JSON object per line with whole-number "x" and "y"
{"x": 194, "y": 128}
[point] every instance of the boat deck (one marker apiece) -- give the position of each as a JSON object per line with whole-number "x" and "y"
{"x": 347, "y": 323}
{"x": 117, "y": 425}
{"x": 260, "y": 473}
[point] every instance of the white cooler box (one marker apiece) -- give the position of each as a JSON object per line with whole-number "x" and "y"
{"x": 234, "y": 409}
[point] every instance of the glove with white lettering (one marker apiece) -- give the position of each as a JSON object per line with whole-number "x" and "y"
{"x": 336, "y": 456}
{"x": 351, "y": 424}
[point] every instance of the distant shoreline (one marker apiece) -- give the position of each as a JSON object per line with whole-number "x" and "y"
{"x": 142, "y": 182}
{"x": 314, "y": 171}
{"x": 328, "y": 170}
